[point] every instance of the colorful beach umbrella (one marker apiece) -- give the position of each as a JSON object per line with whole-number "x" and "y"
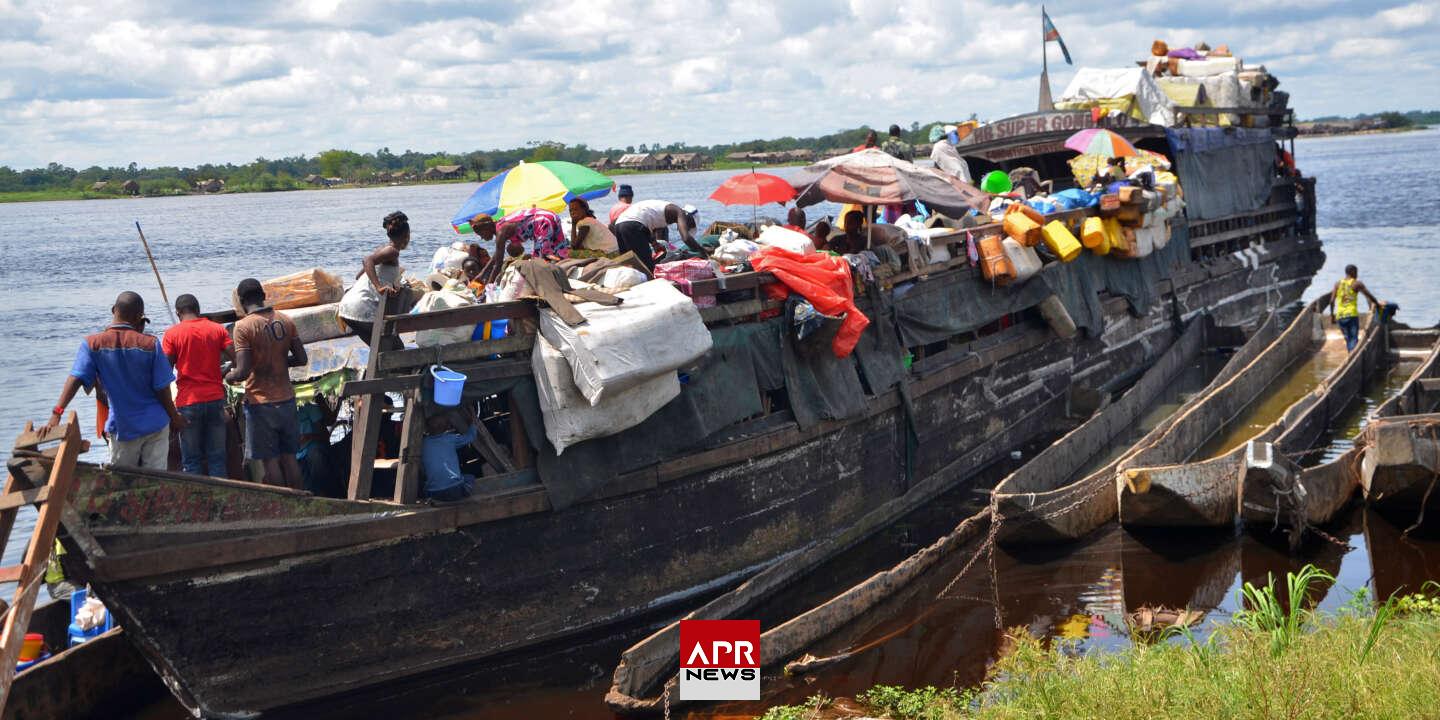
{"x": 1085, "y": 167}
{"x": 1102, "y": 142}
{"x": 548, "y": 184}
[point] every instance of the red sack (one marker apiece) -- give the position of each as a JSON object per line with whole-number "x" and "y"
{"x": 825, "y": 281}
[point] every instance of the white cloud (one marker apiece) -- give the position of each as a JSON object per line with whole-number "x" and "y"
{"x": 165, "y": 82}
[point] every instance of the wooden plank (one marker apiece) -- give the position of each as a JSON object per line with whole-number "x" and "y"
{"x": 417, "y": 357}
{"x": 42, "y": 540}
{"x": 468, "y": 315}
{"x": 13, "y": 500}
{"x": 366, "y": 431}
{"x": 219, "y": 553}
{"x": 490, "y": 449}
{"x": 12, "y": 573}
{"x": 737, "y": 310}
{"x": 519, "y": 444}
{"x": 738, "y": 281}
{"x": 1241, "y": 232}
{"x": 412, "y": 430}
{"x": 489, "y": 370}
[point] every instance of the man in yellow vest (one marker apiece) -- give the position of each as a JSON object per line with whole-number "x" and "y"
{"x": 1345, "y": 306}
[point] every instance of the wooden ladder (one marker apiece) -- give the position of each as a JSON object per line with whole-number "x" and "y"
{"x": 31, "y": 570}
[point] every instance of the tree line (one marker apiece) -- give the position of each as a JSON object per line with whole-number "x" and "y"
{"x": 289, "y": 173}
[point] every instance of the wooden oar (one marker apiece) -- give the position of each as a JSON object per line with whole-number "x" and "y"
{"x": 163, "y": 295}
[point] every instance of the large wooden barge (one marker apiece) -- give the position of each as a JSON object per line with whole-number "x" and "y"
{"x": 248, "y": 598}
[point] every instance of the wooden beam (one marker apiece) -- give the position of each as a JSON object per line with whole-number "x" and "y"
{"x": 219, "y": 553}
{"x": 412, "y": 430}
{"x": 467, "y": 315}
{"x": 405, "y": 359}
{"x": 486, "y": 445}
{"x": 519, "y": 444}
{"x": 489, "y": 370}
{"x": 13, "y": 500}
{"x": 12, "y": 573}
{"x": 365, "y": 432}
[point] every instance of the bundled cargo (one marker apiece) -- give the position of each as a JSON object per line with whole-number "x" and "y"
{"x": 685, "y": 272}
{"x": 301, "y": 289}
{"x": 796, "y": 242}
{"x": 318, "y": 322}
{"x": 442, "y": 300}
{"x": 571, "y": 418}
{"x": 655, "y": 330}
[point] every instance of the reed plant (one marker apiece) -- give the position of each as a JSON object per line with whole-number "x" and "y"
{"x": 1282, "y": 619}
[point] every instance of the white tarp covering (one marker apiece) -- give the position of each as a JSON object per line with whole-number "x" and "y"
{"x": 1103, "y": 83}
{"x": 656, "y": 330}
{"x": 569, "y": 416}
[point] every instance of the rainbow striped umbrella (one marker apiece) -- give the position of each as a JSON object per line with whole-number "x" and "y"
{"x": 1102, "y": 142}
{"x": 548, "y": 184}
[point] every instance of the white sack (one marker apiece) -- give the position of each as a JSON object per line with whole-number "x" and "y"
{"x": 1207, "y": 67}
{"x": 570, "y": 418}
{"x": 1104, "y": 83}
{"x": 657, "y": 329}
{"x": 796, "y": 242}
{"x": 735, "y": 251}
{"x": 449, "y": 259}
{"x": 442, "y": 300}
{"x": 621, "y": 278}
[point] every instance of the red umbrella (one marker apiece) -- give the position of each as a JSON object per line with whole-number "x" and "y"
{"x": 754, "y": 189}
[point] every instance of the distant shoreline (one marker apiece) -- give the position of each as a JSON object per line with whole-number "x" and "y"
{"x": 1370, "y": 131}
{"x": 69, "y": 195}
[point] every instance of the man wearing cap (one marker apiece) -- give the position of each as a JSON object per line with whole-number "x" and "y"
{"x": 266, "y": 347}
{"x": 626, "y": 195}
{"x": 195, "y": 346}
{"x": 636, "y": 227}
{"x": 132, "y": 375}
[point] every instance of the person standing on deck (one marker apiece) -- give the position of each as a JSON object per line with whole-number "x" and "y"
{"x": 635, "y": 230}
{"x": 626, "y": 196}
{"x": 1345, "y": 305}
{"x": 896, "y": 147}
{"x": 947, "y": 159}
{"x": 379, "y": 279}
{"x": 195, "y": 346}
{"x": 266, "y": 347}
{"x": 127, "y": 367}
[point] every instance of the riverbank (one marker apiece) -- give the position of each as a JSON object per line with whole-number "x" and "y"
{"x": 1361, "y": 661}
{"x": 1345, "y": 133}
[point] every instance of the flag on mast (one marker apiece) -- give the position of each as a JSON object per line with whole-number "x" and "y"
{"x": 1052, "y": 34}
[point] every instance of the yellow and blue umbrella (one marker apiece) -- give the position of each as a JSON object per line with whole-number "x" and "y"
{"x": 548, "y": 184}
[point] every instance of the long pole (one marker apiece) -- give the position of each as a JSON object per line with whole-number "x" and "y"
{"x": 163, "y": 295}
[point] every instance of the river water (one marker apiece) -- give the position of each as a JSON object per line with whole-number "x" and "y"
{"x": 1379, "y": 208}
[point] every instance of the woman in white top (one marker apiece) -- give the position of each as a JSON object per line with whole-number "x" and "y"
{"x": 379, "y": 278}
{"x": 588, "y": 236}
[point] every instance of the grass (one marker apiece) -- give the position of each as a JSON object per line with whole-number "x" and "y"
{"x": 1277, "y": 660}
{"x": 47, "y": 195}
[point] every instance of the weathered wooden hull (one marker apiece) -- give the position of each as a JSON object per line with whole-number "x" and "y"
{"x": 320, "y": 597}
{"x": 1401, "y": 465}
{"x": 1159, "y": 485}
{"x": 1273, "y": 492}
{"x": 1036, "y": 504}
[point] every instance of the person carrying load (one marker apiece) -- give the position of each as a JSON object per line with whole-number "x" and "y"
{"x": 1345, "y": 306}
{"x": 635, "y": 229}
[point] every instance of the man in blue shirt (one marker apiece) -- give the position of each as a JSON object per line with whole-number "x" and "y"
{"x": 446, "y": 433}
{"x": 127, "y": 366}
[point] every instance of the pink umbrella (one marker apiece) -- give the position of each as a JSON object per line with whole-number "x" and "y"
{"x": 1102, "y": 142}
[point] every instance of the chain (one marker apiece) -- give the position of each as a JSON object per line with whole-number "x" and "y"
{"x": 665, "y": 701}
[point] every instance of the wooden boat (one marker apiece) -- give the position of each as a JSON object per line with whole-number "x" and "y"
{"x": 300, "y": 598}
{"x": 104, "y": 676}
{"x": 1163, "y": 484}
{"x": 1276, "y": 492}
{"x": 1044, "y": 502}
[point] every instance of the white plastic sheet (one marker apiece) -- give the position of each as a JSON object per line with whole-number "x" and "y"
{"x": 655, "y": 330}
{"x": 570, "y": 418}
{"x": 1103, "y": 83}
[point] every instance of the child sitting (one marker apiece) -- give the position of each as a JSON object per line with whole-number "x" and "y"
{"x": 445, "y": 433}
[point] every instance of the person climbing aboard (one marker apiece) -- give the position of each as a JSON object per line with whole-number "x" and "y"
{"x": 1345, "y": 306}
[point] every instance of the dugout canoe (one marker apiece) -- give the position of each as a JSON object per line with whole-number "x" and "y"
{"x": 1044, "y": 502}
{"x": 1164, "y": 484}
{"x": 1278, "y": 493}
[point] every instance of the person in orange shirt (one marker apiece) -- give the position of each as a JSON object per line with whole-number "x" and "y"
{"x": 195, "y": 346}
{"x": 267, "y": 345}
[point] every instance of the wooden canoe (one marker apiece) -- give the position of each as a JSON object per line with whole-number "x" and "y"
{"x": 1399, "y": 450}
{"x": 1278, "y": 493}
{"x": 1044, "y": 502}
{"x": 1164, "y": 485}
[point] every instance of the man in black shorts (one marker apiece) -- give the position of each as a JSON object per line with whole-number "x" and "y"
{"x": 266, "y": 347}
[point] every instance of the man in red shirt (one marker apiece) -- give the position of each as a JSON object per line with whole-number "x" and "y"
{"x": 195, "y": 347}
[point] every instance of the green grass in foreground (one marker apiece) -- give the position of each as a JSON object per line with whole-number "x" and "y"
{"x": 1358, "y": 663}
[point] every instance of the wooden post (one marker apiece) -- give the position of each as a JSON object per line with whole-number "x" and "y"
{"x": 42, "y": 540}
{"x": 365, "y": 432}
{"x": 519, "y": 446}
{"x": 412, "y": 431}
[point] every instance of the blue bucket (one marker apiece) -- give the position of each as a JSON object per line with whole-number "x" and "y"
{"x": 449, "y": 385}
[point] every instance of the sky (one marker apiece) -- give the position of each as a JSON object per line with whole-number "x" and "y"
{"x": 166, "y": 82}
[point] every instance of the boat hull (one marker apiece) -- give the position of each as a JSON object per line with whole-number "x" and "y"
{"x": 324, "y": 597}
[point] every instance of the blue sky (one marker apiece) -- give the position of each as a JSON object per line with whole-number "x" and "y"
{"x": 169, "y": 82}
